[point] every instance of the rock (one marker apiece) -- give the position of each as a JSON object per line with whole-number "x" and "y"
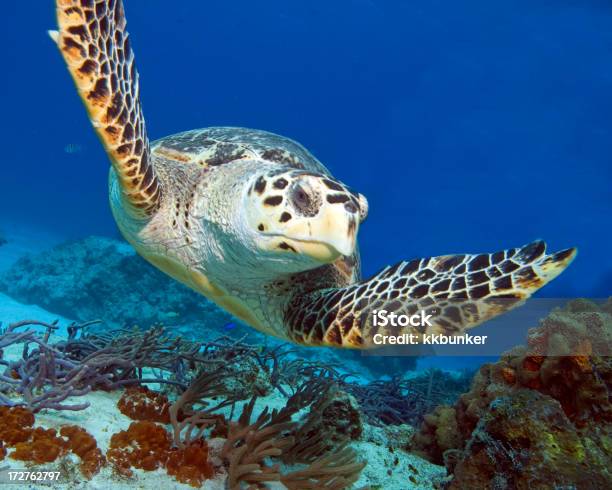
{"x": 543, "y": 409}
{"x": 438, "y": 433}
{"x": 392, "y": 436}
{"x": 104, "y": 278}
{"x": 526, "y": 441}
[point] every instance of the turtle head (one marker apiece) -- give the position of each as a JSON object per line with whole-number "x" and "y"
{"x": 307, "y": 215}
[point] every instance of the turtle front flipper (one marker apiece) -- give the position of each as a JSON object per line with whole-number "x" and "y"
{"x": 96, "y": 48}
{"x": 461, "y": 290}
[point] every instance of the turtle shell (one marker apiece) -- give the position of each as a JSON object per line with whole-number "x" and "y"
{"x": 212, "y": 147}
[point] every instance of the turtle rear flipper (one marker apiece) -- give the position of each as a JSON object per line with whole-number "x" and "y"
{"x": 96, "y": 48}
{"x": 464, "y": 290}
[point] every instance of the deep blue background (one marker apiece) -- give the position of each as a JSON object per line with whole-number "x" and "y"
{"x": 470, "y": 126}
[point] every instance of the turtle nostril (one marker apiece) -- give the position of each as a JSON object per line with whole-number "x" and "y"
{"x": 350, "y": 207}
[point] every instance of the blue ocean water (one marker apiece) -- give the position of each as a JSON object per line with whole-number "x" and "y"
{"x": 469, "y": 126}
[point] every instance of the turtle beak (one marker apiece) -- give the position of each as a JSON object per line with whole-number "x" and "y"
{"x": 331, "y": 234}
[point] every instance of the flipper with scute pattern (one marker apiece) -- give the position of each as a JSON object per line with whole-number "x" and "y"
{"x": 461, "y": 290}
{"x": 96, "y": 48}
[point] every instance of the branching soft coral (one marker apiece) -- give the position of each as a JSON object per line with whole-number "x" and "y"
{"x": 248, "y": 444}
{"x": 335, "y": 471}
{"x": 191, "y": 414}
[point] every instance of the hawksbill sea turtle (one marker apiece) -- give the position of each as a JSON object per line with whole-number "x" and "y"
{"x": 258, "y": 225}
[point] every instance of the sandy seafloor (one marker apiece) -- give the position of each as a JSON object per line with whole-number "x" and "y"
{"x": 102, "y": 419}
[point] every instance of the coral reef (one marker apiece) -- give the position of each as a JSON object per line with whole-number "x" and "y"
{"x": 249, "y": 444}
{"x": 524, "y": 441}
{"x": 189, "y": 431}
{"x": 541, "y": 415}
{"x": 94, "y": 278}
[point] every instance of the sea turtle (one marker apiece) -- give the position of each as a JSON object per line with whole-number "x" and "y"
{"x": 258, "y": 225}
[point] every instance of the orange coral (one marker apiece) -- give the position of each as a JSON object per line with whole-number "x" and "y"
{"x": 15, "y": 424}
{"x": 533, "y": 363}
{"x": 141, "y": 403}
{"x": 190, "y": 464}
{"x": 44, "y": 447}
{"x": 84, "y": 445}
{"x": 144, "y": 445}
{"x": 147, "y": 445}
{"x": 509, "y": 375}
{"x": 40, "y": 445}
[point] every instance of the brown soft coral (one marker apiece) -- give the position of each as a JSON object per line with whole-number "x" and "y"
{"x": 85, "y": 447}
{"x": 141, "y": 403}
{"x": 248, "y": 444}
{"x": 2, "y": 451}
{"x": 190, "y": 464}
{"x": 337, "y": 470}
{"x": 332, "y": 421}
{"x": 15, "y": 424}
{"x": 144, "y": 445}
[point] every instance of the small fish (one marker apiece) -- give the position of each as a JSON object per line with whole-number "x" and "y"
{"x": 72, "y": 148}
{"x": 229, "y": 326}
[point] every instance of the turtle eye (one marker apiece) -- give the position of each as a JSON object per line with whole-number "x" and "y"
{"x": 300, "y": 198}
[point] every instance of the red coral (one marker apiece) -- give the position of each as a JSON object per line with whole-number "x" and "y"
{"x": 44, "y": 447}
{"x": 144, "y": 445}
{"x": 190, "y": 465}
{"x": 15, "y": 425}
{"x": 141, "y": 403}
{"x": 84, "y": 445}
{"x": 2, "y": 451}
